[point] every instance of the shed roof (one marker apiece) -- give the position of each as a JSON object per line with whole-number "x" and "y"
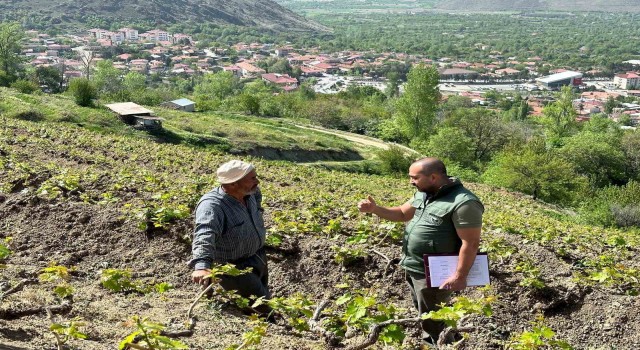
{"x": 183, "y": 102}
{"x": 128, "y": 108}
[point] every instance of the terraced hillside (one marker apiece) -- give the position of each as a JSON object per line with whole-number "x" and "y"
{"x": 80, "y": 206}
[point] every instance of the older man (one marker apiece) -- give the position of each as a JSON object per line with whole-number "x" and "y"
{"x": 229, "y": 228}
{"x": 443, "y": 217}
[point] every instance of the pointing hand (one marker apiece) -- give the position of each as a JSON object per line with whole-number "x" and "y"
{"x": 367, "y": 205}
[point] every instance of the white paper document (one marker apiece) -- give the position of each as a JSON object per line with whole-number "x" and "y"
{"x": 441, "y": 267}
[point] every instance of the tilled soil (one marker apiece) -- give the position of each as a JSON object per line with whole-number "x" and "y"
{"x": 93, "y": 237}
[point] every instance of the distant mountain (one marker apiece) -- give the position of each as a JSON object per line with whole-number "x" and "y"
{"x": 257, "y": 13}
{"x": 540, "y": 5}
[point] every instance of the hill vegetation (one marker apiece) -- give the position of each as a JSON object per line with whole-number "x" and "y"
{"x": 229, "y": 132}
{"x": 150, "y": 14}
{"x": 541, "y": 5}
{"x": 97, "y": 223}
{"x": 387, "y": 6}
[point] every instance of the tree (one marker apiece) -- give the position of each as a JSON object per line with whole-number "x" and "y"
{"x": 108, "y": 80}
{"x": 416, "y": 108}
{"x": 11, "y": 34}
{"x": 625, "y": 120}
{"x": 87, "y": 58}
{"x": 560, "y": 116}
{"x": 134, "y": 83}
{"x": 631, "y": 148}
{"x": 487, "y": 132}
{"x": 50, "y": 78}
{"x": 519, "y": 109}
{"x": 610, "y": 105}
{"x": 83, "y": 91}
{"x": 280, "y": 66}
{"x": 452, "y": 144}
{"x": 597, "y": 157}
{"x": 393, "y": 85}
{"x": 535, "y": 171}
{"x": 214, "y": 88}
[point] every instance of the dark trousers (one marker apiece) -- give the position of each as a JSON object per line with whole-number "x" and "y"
{"x": 427, "y": 299}
{"x": 250, "y": 284}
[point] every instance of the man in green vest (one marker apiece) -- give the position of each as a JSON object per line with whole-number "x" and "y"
{"x": 443, "y": 217}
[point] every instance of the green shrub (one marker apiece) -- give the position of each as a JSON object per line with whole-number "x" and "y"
{"x": 394, "y": 160}
{"x": 31, "y": 115}
{"x": 613, "y": 205}
{"x": 25, "y": 86}
{"x": 626, "y": 216}
{"x": 83, "y": 91}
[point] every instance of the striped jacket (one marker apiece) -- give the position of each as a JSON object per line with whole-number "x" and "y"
{"x": 225, "y": 230}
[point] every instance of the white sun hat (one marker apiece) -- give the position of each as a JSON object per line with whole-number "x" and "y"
{"x": 233, "y": 171}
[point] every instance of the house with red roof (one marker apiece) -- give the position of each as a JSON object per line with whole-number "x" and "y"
{"x": 235, "y": 70}
{"x": 124, "y": 57}
{"x": 507, "y": 71}
{"x": 281, "y": 80}
{"x": 311, "y": 72}
{"x": 325, "y": 67}
{"x": 249, "y": 70}
{"x": 627, "y": 81}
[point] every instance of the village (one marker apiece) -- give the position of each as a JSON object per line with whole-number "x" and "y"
{"x": 162, "y": 54}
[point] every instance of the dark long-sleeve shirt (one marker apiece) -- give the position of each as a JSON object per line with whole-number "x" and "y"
{"x": 225, "y": 230}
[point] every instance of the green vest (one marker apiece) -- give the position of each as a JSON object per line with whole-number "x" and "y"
{"x": 431, "y": 230}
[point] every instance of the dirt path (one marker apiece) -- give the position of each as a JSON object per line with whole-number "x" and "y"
{"x": 364, "y": 140}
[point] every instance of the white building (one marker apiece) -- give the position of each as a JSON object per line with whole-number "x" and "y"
{"x": 117, "y": 37}
{"x": 556, "y": 81}
{"x": 129, "y": 34}
{"x": 99, "y": 34}
{"x": 157, "y": 35}
{"x": 627, "y": 81}
{"x": 176, "y": 38}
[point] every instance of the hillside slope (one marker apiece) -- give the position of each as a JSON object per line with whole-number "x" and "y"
{"x": 257, "y": 13}
{"x": 101, "y": 200}
{"x": 233, "y": 133}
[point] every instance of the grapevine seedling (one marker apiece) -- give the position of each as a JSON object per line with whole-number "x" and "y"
{"x": 460, "y": 308}
{"x": 499, "y": 248}
{"x": 540, "y": 337}
{"x": 295, "y": 307}
{"x": 59, "y": 185}
{"x": 120, "y": 281}
{"x": 252, "y": 337}
{"x": 531, "y": 275}
{"x": 334, "y": 226}
{"x": 215, "y": 272}
{"x": 4, "y": 251}
{"x": 345, "y": 256}
{"x": 60, "y": 273}
{"x": 150, "y": 337}
{"x": 67, "y": 331}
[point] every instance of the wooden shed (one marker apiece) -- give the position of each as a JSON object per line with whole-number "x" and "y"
{"x": 136, "y": 115}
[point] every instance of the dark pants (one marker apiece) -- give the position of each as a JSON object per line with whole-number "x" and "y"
{"x": 250, "y": 284}
{"x": 427, "y": 299}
